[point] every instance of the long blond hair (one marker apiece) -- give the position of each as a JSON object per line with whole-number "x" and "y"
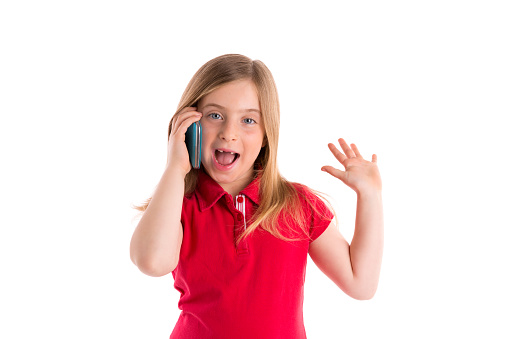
{"x": 278, "y": 197}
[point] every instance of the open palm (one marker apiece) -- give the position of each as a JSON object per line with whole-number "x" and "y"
{"x": 360, "y": 175}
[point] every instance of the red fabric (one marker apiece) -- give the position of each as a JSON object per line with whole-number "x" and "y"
{"x": 255, "y": 290}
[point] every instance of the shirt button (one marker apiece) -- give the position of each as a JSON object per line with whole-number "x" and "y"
{"x": 239, "y": 217}
{"x": 240, "y": 199}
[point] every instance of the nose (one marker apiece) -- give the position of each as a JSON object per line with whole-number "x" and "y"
{"x": 229, "y": 132}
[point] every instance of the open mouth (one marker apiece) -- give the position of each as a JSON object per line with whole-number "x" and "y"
{"x": 225, "y": 158}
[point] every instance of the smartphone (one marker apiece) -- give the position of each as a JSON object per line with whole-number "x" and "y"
{"x": 193, "y": 143}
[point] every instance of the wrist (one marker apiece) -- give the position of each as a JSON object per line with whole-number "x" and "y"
{"x": 175, "y": 172}
{"x": 369, "y": 193}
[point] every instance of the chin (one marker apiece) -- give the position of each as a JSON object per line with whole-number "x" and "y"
{"x": 235, "y": 175}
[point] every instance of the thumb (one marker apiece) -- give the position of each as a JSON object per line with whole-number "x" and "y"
{"x": 334, "y": 172}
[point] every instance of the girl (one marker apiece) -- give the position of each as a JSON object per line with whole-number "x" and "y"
{"x": 234, "y": 233}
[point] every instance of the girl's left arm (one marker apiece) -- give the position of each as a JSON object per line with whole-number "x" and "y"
{"x": 355, "y": 268}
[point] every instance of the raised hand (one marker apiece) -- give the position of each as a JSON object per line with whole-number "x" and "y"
{"x": 178, "y": 157}
{"x": 360, "y": 175}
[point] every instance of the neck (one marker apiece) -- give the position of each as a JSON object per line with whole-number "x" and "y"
{"x": 234, "y": 188}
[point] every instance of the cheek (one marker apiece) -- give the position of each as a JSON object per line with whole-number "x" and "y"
{"x": 206, "y": 135}
{"x": 255, "y": 139}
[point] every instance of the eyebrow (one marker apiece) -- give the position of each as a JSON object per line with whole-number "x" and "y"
{"x": 224, "y": 108}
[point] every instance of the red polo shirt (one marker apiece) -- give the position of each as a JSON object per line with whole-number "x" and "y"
{"x": 253, "y": 290}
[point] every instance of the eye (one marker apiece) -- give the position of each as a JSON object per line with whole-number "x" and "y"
{"x": 215, "y": 116}
{"x": 249, "y": 121}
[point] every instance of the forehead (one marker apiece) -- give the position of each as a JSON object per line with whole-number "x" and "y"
{"x": 237, "y": 95}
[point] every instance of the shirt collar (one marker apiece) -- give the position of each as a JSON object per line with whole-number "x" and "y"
{"x": 208, "y": 192}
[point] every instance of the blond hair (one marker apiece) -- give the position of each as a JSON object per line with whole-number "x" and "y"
{"x": 279, "y": 198}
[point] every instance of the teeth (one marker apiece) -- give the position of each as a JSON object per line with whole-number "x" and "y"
{"x": 226, "y": 152}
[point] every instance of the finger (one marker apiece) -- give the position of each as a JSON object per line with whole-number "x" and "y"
{"x": 184, "y": 110}
{"x": 356, "y": 151}
{"x": 179, "y": 114}
{"x": 337, "y": 153}
{"x": 346, "y": 148}
{"x": 186, "y": 120}
{"x": 374, "y": 158}
{"x": 183, "y": 116}
{"x": 181, "y": 125}
{"x": 334, "y": 172}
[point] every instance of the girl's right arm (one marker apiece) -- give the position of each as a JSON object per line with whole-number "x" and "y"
{"x": 155, "y": 244}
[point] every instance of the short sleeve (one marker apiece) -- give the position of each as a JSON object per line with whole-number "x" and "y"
{"x": 320, "y": 216}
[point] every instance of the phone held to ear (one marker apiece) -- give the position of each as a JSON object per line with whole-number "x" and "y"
{"x": 193, "y": 143}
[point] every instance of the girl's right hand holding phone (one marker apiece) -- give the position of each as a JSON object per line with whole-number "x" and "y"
{"x": 155, "y": 245}
{"x": 178, "y": 156}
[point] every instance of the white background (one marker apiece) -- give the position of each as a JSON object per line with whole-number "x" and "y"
{"x": 87, "y": 89}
